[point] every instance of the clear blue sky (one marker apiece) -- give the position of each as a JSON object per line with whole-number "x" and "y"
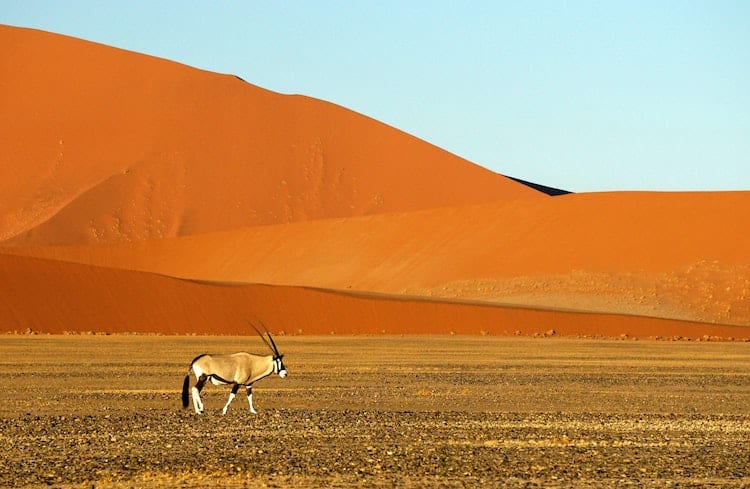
{"x": 582, "y": 95}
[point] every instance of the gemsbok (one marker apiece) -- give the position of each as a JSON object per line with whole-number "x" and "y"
{"x": 238, "y": 370}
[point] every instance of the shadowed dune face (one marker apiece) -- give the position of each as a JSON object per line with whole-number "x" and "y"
{"x": 138, "y": 194}
{"x": 106, "y": 145}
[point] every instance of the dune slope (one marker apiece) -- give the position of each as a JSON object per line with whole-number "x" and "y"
{"x": 106, "y": 145}
{"x": 675, "y": 255}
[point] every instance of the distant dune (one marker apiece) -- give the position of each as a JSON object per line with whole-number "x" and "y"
{"x": 138, "y": 194}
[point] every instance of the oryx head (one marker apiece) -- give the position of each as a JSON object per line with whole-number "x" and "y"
{"x": 278, "y": 358}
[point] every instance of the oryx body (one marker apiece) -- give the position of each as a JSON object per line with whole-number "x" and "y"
{"x": 238, "y": 370}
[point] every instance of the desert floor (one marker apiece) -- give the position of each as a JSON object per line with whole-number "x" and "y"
{"x": 451, "y": 411}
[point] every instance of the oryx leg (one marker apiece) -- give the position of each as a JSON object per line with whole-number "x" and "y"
{"x": 250, "y": 399}
{"x": 197, "y": 402}
{"x": 235, "y": 388}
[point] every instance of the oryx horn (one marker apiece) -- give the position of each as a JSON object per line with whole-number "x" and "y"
{"x": 275, "y": 349}
{"x": 271, "y": 346}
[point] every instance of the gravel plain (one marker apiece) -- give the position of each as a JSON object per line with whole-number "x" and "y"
{"x": 104, "y": 411}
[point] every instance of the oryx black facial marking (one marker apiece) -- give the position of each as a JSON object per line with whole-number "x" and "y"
{"x": 237, "y": 369}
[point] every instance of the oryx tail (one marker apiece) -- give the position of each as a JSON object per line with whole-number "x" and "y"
{"x": 186, "y": 391}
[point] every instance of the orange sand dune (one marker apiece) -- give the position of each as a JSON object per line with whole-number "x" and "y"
{"x": 54, "y": 297}
{"x": 677, "y": 255}
{"x": 105, "y": 145}
{"x": 138, "y": 194}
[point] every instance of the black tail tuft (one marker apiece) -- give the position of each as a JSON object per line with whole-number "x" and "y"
{"x": 185, "y": 395}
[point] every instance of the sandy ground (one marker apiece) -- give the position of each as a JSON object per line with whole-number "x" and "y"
{"x": 449, "y": 411}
